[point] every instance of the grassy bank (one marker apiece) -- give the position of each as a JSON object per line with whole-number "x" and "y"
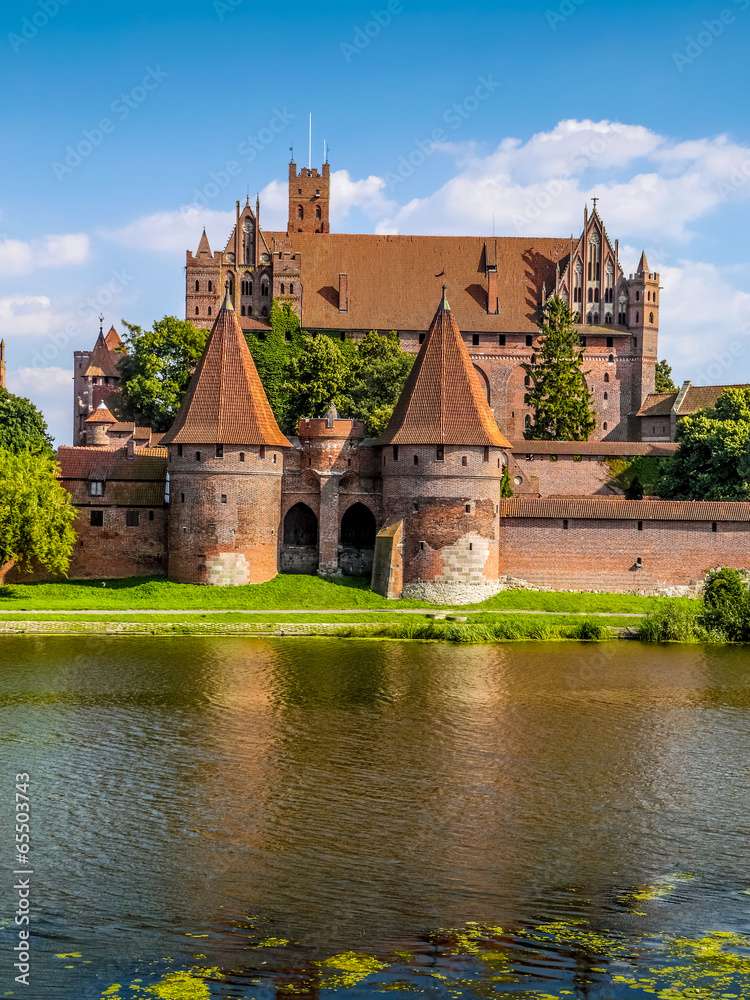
{"x": 310, "y": 593}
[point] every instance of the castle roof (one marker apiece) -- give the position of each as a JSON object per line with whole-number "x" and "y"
{"x": 643, "y": 267}
{"x": 443, "y": 401}
{"x": 391, "y": 279}
{"x": 104, "y": 360}
{"x": 226, "y": 402}
{"x": 133, "y": 480}
{"x": 113, "y": 340}
{"x": 691, "y": 399}
{"x": 618, "y": 509}
{"x": 101, "y": 415}
{"x": 204, "y": 247}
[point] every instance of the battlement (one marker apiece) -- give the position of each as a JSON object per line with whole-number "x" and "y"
{"x": 309, "y": 199}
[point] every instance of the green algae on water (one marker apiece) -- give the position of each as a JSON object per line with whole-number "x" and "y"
{"x": 347, "y": 969}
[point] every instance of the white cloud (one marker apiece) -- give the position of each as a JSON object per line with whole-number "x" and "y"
{"x": 19, "y": 257}
{"x": 651, "y": 187}
{"x": 26, "y": 315}
{"x": 366, "y": 196}
{"x": 705, "y": 323}
{"x": 51, "y": 390}
{"x": 176, "y": 231}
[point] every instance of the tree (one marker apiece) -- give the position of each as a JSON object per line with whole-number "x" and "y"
{"x": 36, "y": 514}
{"x": 713, "y": 459}
{"x": 377, "y": 372}
{"x": 156, "y": 369}
{"x": 559, "y": 397}
{"x": 634, "y": 490}
{"x": 664, "y": 381}
{"x": 22, "y": 426}
{"x": 726, "y": 605}
{"x": 273, "y": 353}
{"x": 318, "y": 376}
{"x": 506, "y": 488}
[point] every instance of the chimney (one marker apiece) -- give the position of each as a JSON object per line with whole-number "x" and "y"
{"x": 343, "y": 293}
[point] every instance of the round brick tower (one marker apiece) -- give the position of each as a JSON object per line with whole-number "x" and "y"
{"x": 443, "y": 457}
{"x": 226, "y": 457}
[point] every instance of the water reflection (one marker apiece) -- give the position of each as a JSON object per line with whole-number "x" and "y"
{"x": 267, "y": 805}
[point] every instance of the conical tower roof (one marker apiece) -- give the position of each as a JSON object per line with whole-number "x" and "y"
{"x": 643, "y": 267}
{"x": 226, "y": 402}
{"x": 443, "y": 401}
{"x": 101, "y": 415}
{"x": 204, "y": 247}
{"x": 113, "y": 340}
{"x": 103, "y": 361}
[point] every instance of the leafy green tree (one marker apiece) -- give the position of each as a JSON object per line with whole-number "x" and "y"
{"x": 22, "y": 426}
{"x": 559, "y": 397}
{"x": 635, "y": 489}
{"x": 506, "y": 488}
{"x": 318, "y": 376}
{"x": 664, "y": 380}
{"x": 726, "y": 605}
{"x": 156, "y": 369}
{"x": 377, "y": 372}
{"x": 36, "y": 514}
{"x": 273, "y": 354}
{"x": 713, "y": 460}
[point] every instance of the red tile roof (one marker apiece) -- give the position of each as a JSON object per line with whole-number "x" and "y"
{"x": 103, "y": 361}
{"x": 105, "y": 464}
{"x": 101, "y": 415}
{"x": 443, "y": 401}
{"x": 657, "y": 404}
{"x": 226, "y": 402}
{"x": 614, "y": 508}
{"x": 657, "y": 449}
{"x": 113, "y": 340}
{"x": 703, "y": 397}
{"x": 392, "y": 284}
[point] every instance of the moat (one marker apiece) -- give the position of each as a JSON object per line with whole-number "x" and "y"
{"x": 251, "y": 818}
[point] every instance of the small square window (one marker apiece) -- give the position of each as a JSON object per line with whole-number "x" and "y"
{"x": 440, "y": 453}
{"x": 566, "y": 525}
{"x": 197, "y": 456}
{"x": 475, "y": 339}
{"x": 132, "y": 518}
{"x": 529, "y": 340}
{"x": 501, "y": 340}
{"x": 96, "y": 488}
{"x": 223, "y": 498}
{"x": 96, "y": 518}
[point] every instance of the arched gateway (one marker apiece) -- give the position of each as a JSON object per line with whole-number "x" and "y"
{"x": 357, "y": 541}
{"x": 299, "y": 546}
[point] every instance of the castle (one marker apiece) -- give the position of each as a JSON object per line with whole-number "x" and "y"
{"x": 225, "y": 498}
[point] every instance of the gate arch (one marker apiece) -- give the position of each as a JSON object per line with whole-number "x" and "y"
{"x": 357, "y": 540}
{"x": 300, "y": 540}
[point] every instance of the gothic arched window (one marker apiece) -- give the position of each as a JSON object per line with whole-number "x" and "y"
{"x": 300, "y": 212}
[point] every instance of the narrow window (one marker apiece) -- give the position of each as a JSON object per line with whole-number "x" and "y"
{"x": 501, "y": 339}
{"x": 527, "y": 381}
{"x": 197, "y": 311}
{"x": 464, "y": 460}
{"x": 150, "y": 515}
{"x": 209, "y": 310}
{"x": 275, "y": 458}
{"x": 132, "y": 518}
{"x": 179, "y": 451}
{"x": 529, "y": 340}
{"x": 610, "y": 341}
{"x": 714, "y": 527}
{"x": 262, "y": 452}
{"x": 440, "y": 453}
{"x": 220, "y": 451}
{"x": 96, "y": 488}
{"x": 291, "y": 288}
{"x": 604, "y": 425}
{"x": 422, "y": 337}
{"x": 197, "y": 456}
{"x": 468, "y": 508}
{"x": 565, "y": 525}
{"x": 416, "y": 459}
{"x": 197, "y": 286}
{"x": 395, "y": 453}
{"x": 283, "y": 288}
{"x": 242, "y": 456}
{"x": 96, "y": 518}
{"x": 182, "y": 498}
{"x": 606, "y": 395}
{"x": 486, "y": 456}
{"x": 606, "y": 376}
{"x": 640, "y": 525}
{"x": 651, "y": 318}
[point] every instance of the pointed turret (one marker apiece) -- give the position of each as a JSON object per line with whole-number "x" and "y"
{"x": 103, "y": 361}
{"x": 226, "y": 402}
{"x": 643, "y": 267}
{"x": 113, "y": 340}
{"x": 97, "y": 426}
{"x": 101, "y": 415}
{"x": 443, "y": 401}
{"x": 204, "y": 247}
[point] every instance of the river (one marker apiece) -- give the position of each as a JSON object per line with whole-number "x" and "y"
{"x": 251, "y": 818}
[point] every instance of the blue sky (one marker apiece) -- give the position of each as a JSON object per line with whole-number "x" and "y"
{"x": 126, "y": 127}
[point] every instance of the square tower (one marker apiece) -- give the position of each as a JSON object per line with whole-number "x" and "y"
{"x": 309, "y": 199}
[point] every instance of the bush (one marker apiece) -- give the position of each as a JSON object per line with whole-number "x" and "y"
{"x": 726, "y": 605}
{"x": 672, "y": 622}
{"x": 589, "y": 631}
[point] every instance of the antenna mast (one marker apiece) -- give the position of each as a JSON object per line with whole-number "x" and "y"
{"x": 309, "y": 145}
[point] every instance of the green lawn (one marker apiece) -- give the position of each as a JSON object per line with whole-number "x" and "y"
{"x": 310, "y": 593}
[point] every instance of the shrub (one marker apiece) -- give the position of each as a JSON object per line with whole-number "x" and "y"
{"x": 589, "y": 631}
{"x": 726, "y": 605}
{"x": 673, "y": 622}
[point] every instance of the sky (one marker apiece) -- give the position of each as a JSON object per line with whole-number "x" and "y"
{"x": 128, "y": 127}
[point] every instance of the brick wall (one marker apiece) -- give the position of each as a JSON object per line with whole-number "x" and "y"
{"x": 224, "y": 518}
{"x": 602, "y": 554}
{"x": 560, "y": 475}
